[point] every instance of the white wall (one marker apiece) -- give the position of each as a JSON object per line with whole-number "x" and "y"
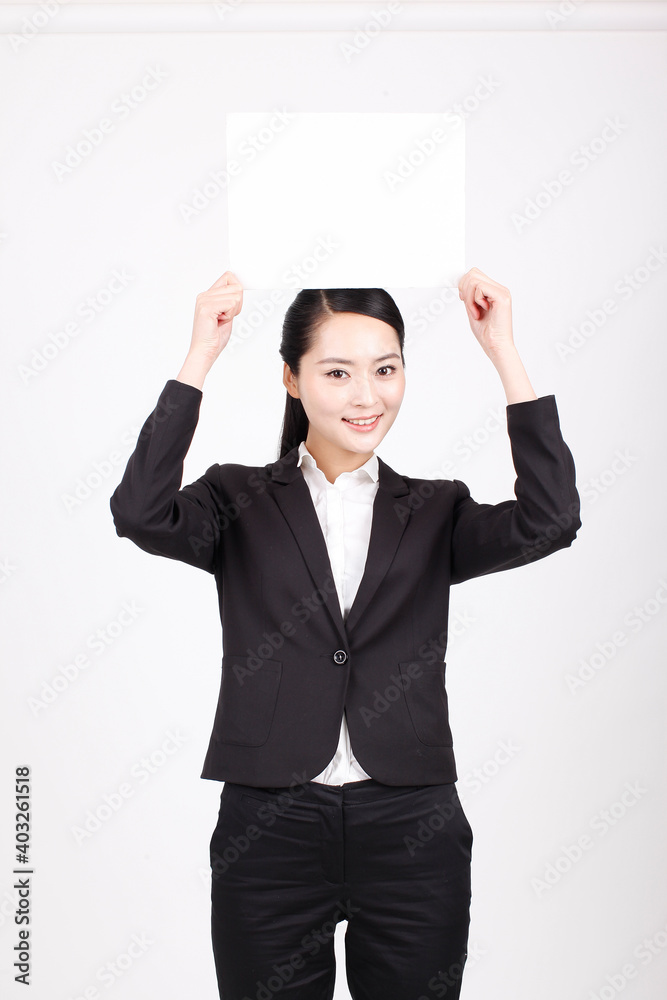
{"x": 66, "y": 574}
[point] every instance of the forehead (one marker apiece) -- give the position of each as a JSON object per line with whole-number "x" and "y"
{"x": 351, "y": 321}
{"x": 361, "y": 335}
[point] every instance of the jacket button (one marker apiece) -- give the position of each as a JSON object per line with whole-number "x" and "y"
{"x": 340, "y": 656}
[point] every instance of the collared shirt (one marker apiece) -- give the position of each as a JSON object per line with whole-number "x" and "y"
{"x": 345, "y": 512}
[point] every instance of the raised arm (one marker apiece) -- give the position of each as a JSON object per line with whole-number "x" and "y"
{"x": 147, "y": 506}
{"x": 545, "y": 516}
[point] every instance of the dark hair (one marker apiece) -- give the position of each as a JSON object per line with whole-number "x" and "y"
{"x": 311, "y": 307}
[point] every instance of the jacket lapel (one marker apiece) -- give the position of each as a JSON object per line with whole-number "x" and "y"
{"x": 292, "y": 495}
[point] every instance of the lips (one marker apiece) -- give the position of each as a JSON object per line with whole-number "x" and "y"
{"x": 363, "y": 427}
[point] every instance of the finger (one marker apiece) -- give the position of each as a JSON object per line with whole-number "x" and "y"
{"x": 481, "y": 295}
{"x": 470, "y": 281}
{"x": 227, "y": 293}
{"x": 226, "y": 279}
{"x": 472, "y": 299}
{"x": 219, "y": 299}
{"x": 475, "y": 276}
{"x": 466, "y": 294}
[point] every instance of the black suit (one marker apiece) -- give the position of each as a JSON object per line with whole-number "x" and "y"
{"x": 290, "y": 857}
{"x": 290, "y": 662}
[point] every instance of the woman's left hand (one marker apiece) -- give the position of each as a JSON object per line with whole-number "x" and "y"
{"x": 489, "y": 308}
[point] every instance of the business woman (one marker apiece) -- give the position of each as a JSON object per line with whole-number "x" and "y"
{"x": 331, "y": 732}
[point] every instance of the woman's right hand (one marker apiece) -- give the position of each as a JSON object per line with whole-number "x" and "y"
{"x": 214, "y": 312}
{"x": 212, "y": 327}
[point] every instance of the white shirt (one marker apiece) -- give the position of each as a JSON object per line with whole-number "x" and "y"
{"x": 345, "y": 512}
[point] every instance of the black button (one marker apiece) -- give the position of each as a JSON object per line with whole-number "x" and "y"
{"x": 340, "y": 656}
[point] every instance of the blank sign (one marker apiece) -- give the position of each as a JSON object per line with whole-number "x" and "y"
{"x": 346, "y": 200}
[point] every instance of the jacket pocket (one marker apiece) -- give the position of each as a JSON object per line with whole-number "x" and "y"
{"x": 426, "y": 697}
{"x": 247, "y": 702}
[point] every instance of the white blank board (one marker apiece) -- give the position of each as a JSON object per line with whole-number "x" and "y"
{"x": 346, "y": 200}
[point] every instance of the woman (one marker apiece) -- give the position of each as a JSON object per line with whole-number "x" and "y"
{"x": 333, "y": 571}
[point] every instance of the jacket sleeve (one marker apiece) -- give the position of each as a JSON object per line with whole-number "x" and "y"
{"x": 544, "y": 517}
{"x": 148, "y": 507}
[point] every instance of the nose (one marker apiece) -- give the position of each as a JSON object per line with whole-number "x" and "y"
{"x": 363, "y": 393}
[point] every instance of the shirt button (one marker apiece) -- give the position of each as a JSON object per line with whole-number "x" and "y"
{"x": 340, "y": 656}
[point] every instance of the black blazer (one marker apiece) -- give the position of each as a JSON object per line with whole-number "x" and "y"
{"x": 290, "y": 663}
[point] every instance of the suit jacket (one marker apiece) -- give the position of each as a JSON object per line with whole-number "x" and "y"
{"x": 290, "y": 663}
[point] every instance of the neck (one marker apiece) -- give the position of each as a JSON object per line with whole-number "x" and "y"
{"x": 332, "y": 461}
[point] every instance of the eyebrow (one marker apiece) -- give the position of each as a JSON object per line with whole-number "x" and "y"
{"x": 346, "y": 361}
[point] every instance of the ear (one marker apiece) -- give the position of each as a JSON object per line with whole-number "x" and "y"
{"x": 289, "y": 381}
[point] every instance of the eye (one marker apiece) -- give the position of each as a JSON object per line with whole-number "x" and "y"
{"x": 390, "y": 369}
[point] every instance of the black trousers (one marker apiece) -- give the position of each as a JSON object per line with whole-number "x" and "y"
{"x": 288, "y": 864}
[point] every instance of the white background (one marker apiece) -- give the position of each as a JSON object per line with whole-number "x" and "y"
{"x": 66, "y": 574}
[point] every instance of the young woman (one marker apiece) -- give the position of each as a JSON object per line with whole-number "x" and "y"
{"x": 331, "y": 733}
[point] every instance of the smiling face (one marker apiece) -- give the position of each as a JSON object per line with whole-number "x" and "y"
{"x": 352, "y": 372}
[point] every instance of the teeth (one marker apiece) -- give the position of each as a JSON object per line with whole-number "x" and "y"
{"x": 370, "y": 420}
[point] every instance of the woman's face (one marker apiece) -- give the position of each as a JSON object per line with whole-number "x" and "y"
{"x": 353, "y": 371}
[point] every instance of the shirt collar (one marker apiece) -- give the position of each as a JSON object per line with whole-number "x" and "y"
{"x": 369, "y": 468}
